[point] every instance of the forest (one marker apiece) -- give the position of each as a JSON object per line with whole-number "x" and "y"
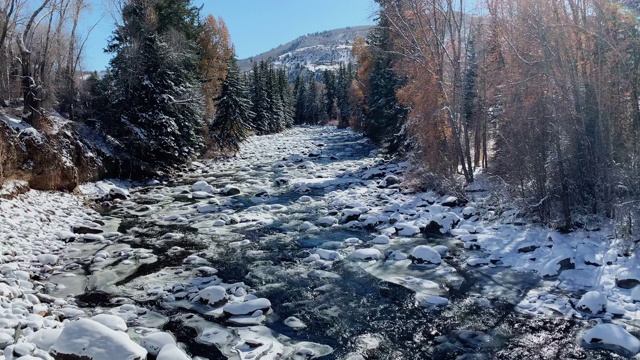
{"x": 539, "y": 96}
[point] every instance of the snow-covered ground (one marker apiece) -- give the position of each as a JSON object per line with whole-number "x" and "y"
{"x": 258, "y": 254}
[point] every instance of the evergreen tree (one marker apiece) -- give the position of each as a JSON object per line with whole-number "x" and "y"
{"x": 260, "y": 98}
{"x": 385, "y": 116}
{"x": 331, "y": 90}
{"x": 275, "y": 105}
{"x": 232, "y": 122}
{"x": 153, "y": 83}
{"x": 346, "y": 75}
{"x": 300, "y": 94}
{"x": 286, "y": 98}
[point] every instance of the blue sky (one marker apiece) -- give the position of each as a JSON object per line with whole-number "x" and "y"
{"x": 255, "y": 25}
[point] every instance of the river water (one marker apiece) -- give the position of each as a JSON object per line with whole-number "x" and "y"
{"x": 255, "y": 232}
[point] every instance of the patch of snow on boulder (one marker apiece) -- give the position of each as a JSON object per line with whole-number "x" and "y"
{"x": 154, "y": 342}
{"x": 592, "y": 302}
{"x": 213, "y": 295}
{"x": 91, "y": 340}
{"x": 366, "y": 254}
{"x": 423, "y": 254}
{"x": 612, "y": 335}
{"x": 247, "y": 307}
{"x": 111, "y": 321}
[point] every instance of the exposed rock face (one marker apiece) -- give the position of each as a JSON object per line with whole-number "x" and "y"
{"x": 53, "y": 158}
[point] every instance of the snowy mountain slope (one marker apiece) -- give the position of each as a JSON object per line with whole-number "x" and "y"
{"x": 315, "y": 52}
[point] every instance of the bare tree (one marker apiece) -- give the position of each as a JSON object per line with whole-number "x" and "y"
{"x": 30, "y": 89}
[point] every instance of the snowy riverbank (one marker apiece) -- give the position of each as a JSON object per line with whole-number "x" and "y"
{"x": 254, "y": 254}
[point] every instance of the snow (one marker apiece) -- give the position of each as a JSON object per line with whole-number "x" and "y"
{"x": 612, "y": 334}
{"x": 328, "y": 254}
{"x": 247, "y": 307}
{"x": 172, "y": 352}
{"x": 90, "y": 339}
{"x": 381, "y": 240}
{"x": 213, "y": 294}
{"x": 327, "y": 221}
{"x": 294, "y": 323}
{"x": 379, "y": 227}
{"x": 156, "y": 341}
{"x": 592, "y": 302}
{"x": 423, "y": 254}
{"x": 111, "y": 321}
{"x": 366, "y": 254}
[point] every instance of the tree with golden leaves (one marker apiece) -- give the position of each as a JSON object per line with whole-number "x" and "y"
{"x": 216, "y": 52}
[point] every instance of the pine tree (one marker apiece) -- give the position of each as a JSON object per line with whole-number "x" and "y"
{"x": 329, "y": 78}
{"x": 154, "y": 84}
{"x": 232, "y": 122}
{"x": 286, "y": 97}
{"x": 300, "y": 94}
{"x": 275, "y": 105}
{"x": 260, "y": 98}
{"x": 385, "y": 116}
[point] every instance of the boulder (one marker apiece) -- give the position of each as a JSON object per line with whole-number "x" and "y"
{"x": 612, "y": 337}
{"x": 86, "y": 339}
{"x": 423, "y": 254}
{"x": 247, "y": 307}
{"x": 213, "y": 295}
{"x": 172, "y": 352}
{"x": 592, "y": 302}
{"x": 156, "y": 341}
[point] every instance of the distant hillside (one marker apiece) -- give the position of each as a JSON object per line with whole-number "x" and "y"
{"x": 314, "y": 52}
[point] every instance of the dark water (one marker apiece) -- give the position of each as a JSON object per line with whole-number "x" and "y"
{"x": 480, "y": 322}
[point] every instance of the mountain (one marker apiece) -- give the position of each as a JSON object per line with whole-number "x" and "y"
{"x": 314, "y": 52}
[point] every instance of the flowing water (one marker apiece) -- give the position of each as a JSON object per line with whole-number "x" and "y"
{"x": 255, "y": 237}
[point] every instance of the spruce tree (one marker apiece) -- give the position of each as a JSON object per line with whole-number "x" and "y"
{"x": 329, "y": 78}
{"x": 153, "y": 84}
{"x": 232, "y": 122}
{"x": 260, "y": 98}
{"x": 274, "y": 101}
{"x": 300, "y": 94}
{"x": 385, "y": 115}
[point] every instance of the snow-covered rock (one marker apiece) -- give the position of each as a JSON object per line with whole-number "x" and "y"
{"x": 154, "y": 342}
{"x": 593, "y": 302}
{"x": 213, "y": 295}
{"x": 389, "y": 180}
{"x": 628, "y": 278}
{"x": 423, "y": 254}
{"x": 380, "y": 240}
{"x": 328, "y": 254}
{"x": 199, "y": 185}
{"x": 111, "y": 321}
{"x": 366, "y": 254}
{"x": 307, "y": 226}
{"x": 88, "y": 339}
{"x": 407, "y": 229}
{"x": 612, "y": 337}
{"x": 200, "y": 195}
{"x": 327, "y": 221}
{"x": 294, "y": 323}
{"x": 557, "y": 265}
{"x": 43, "y": 338}
{"x": 247, "y": 307}
{"x": 172, "y": 352}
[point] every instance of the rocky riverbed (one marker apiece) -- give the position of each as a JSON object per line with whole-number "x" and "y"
{"x": 305, "y": 245}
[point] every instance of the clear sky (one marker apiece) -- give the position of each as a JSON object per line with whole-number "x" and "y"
{"x": 255, "y": 26}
